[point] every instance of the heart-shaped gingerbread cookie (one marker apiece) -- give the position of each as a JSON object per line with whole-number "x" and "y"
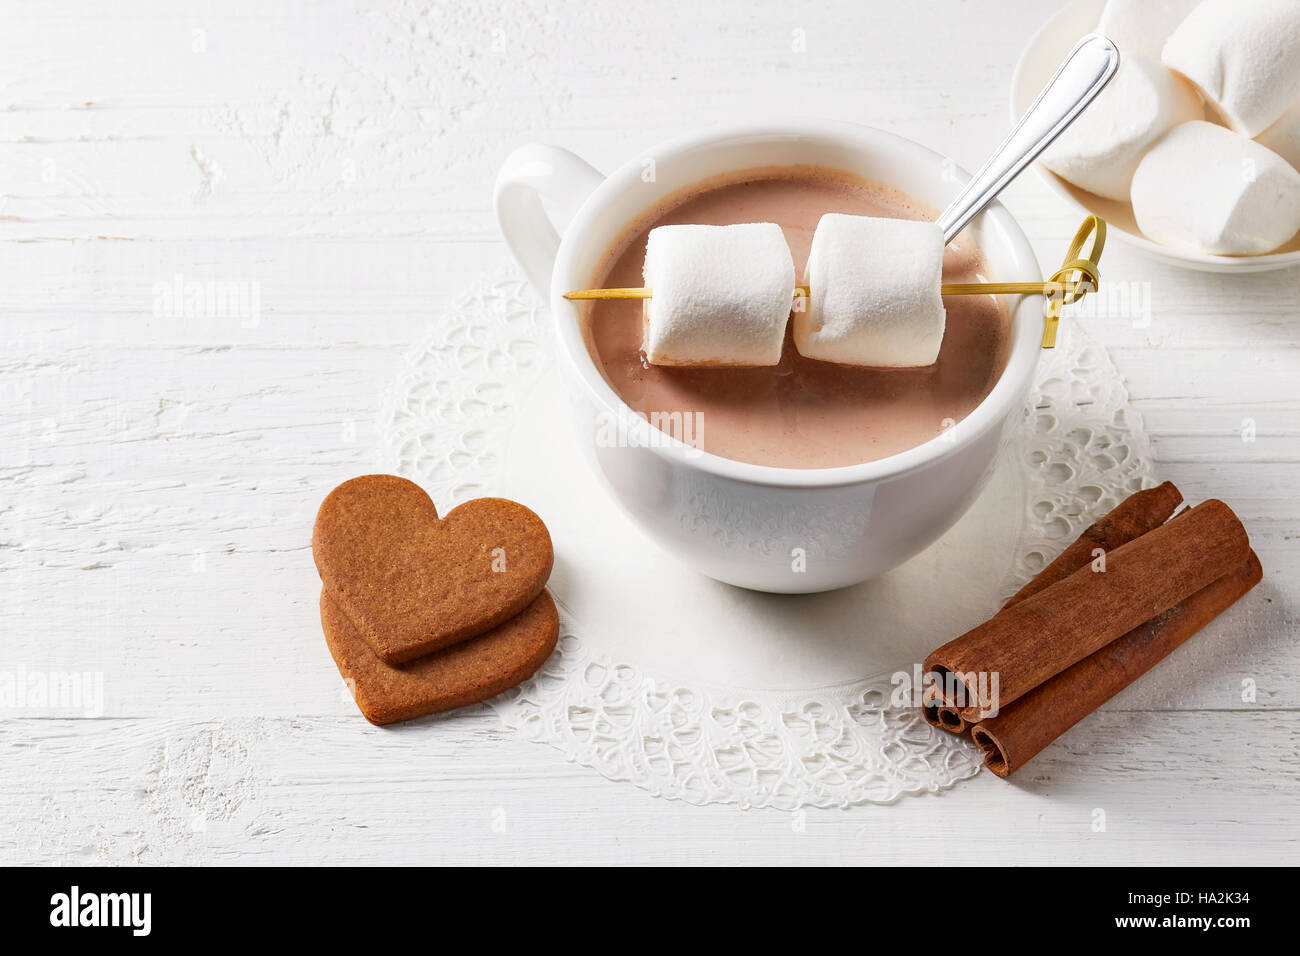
{"x": 411, "y": 582}
{"x": 473, "y": 670}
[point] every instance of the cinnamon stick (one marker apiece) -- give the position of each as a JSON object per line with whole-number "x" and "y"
{"x": 1135, "y": 516}
{"x": 1131, "y": 518}
{"x": 1027, "y": 725}
{"x": 1045, "y": 633}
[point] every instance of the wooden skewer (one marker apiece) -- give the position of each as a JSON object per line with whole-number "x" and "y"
{"x": 608, "y": 294}
{"x": 1063, "y": 288}
{"x": 948, "y": 288}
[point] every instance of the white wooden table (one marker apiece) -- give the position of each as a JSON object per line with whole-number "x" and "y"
{"x": 161, "y": 469}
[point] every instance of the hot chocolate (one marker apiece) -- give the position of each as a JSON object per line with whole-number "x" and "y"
{"x": 802, "y": 413}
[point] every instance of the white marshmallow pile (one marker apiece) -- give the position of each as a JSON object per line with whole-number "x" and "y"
{"x": 1100, "y": 151}
{"x": 1197, "y": 186}
{"x": 1244, "y": 57}
{"x": 721, "y": 295}
{"x": 1204, "y": 188}
{"x": 1143, "y": 26}
{"x": 874, "y": 293}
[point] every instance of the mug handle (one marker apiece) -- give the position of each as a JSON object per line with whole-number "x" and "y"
{"x": 530, "y": 173}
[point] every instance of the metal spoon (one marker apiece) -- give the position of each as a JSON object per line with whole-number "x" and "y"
{"x": 1076, "y": 83}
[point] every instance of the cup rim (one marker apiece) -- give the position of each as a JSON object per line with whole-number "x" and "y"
{"x": 989, "y": 414}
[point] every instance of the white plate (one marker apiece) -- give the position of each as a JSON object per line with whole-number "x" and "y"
{"x": 1037, "y": 63}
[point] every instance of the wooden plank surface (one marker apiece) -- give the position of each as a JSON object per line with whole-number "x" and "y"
{"x": 160, "y": 472}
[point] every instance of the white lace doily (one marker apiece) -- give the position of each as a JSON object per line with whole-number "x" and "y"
{"x": 678, "y": 726}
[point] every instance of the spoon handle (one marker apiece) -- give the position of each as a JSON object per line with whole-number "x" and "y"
{"x": 1078, "y": 80}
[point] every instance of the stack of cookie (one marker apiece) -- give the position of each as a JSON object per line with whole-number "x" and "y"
{"x": 424, "y": 614}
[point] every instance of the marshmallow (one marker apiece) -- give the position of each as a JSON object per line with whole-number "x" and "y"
{"x": 1143, "y": 26}
{"x": 721, "y": 295}
{"x": 1283, "y": 137}
{"x": 1100, "y": 151}
{"x": 874, "y": 293}
{"x": 1244, "y": 57}
{"x": 1207, "y": 189}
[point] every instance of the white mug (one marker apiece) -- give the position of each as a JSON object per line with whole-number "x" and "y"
{"x": 771, "y": 529}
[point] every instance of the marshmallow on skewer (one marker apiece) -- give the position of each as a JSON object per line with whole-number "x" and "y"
{"x": 874, "y": 293}
{"x": 1207, "y": 189}
{"x": 721, "y": 295}
{"x": 1243, "y": 57}
{"x": 1101, "y": 150}
{"x": 1143, "y": 26}
{"x": 1283, "y": 137}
